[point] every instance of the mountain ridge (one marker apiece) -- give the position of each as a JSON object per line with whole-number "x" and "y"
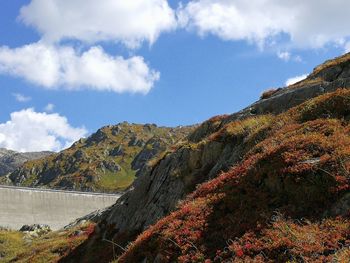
{"x": 106, "y": 161}
{"x": 10, "y": 160}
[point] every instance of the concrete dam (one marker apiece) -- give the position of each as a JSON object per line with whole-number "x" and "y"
{"x": 26, "y": 206}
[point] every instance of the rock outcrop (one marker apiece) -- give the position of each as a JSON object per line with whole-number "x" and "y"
{"x": 35, "y": 230}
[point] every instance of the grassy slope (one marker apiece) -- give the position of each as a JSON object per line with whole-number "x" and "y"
{"x": 278, "y": 205}
{"x": 95, "y": 163}
{"x": 18, "y": 247}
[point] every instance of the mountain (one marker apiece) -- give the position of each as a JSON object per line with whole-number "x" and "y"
{"x": 287, "y": 199}
{"x": 267, "y": 184}
{"x": 106, "y": 161}
{"x": 11, "y": 160}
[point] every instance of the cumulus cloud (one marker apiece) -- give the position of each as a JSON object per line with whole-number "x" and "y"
{"x": 53, "y": 66}
{"x": 296, "y": 79}
{"x": 347, "y": 47}
{"x": 284, "y": 55}
{"x": 128, "y": 22}
{"x": 28, "y": 130}
{"x": 308, "y": 24}
{"x": 21, "y": 98}
{"x": 49, "y": 107}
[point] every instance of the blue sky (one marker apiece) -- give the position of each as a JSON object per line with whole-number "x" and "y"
{"x": 204, "y": 68}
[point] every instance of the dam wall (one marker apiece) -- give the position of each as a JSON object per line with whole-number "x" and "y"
{"x": 26, "y": 206}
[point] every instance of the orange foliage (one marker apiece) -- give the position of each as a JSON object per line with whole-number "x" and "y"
{"x": 268, "y": 93}
{"x": 299, "y": 167}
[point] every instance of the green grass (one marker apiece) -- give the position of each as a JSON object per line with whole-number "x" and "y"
{"x": 16, "y": 247}
{"x": 116, "y": 181}
{"x": 11, "y": 243}
{"x": 30, "y": 180}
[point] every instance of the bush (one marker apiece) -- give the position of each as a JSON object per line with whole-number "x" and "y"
{"x": 268, "y": 93}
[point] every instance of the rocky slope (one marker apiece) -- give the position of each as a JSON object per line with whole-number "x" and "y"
{"x": 288, "y": 198}
{"x": 106, "y": 161}
{"x": 295, "y": 163}
{"x": 11, "y": 160}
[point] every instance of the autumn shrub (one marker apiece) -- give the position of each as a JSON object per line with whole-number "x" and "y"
{"x": 240, "y": 129}
{"x": 285, "y": 240}
{"x": 330, "y": 105}
{"x": 334, "y": 105}
{"x": 207, "y": 128}
{"x": 268, "y": 93}
{"x": 331, "y": 63}
{"x": 298, "y": 167}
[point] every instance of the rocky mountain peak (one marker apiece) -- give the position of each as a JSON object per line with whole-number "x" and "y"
{"x": 105, "y": 161}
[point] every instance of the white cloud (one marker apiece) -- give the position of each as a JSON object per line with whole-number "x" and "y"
{"x": 298, "y": 58}
{"x": 347, "y": 47}
{"x": 129, "y": 22}
{"x": 309, "y": 24}
{"x": 28, "y": 130}
{"x": 49, "y": 107}
{"x": 296, "y": 79}
{"x": 284, "y": 56}
{"x": 21, "y": 98}
{"x": 54, "y": 66}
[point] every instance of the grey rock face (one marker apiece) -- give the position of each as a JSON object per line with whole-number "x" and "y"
{"x": 136, "y": 142}
{"x": 11, "y": 160}
{"x": 117, "y": 151}
{"x": 157, "y": 190}
{"x": 109, "y": 165}
{"x": 96, "y": 137}
{"x": 151, "y": 149}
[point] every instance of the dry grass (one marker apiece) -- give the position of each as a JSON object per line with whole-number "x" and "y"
{"x": 332, "y": 63}
{"x": 18, "y": 247}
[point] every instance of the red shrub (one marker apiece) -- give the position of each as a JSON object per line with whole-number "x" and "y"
{"x": 268, "y": 93}
{"x": 301, "y": 169}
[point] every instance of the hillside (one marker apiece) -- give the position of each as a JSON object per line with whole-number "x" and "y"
{"x": 11, "y": 160}
{"x": 41, "y": 245}
{"x": 275, "y": 175}
{"x": 106, "y": 161}
{"x": 288, "y": 199}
